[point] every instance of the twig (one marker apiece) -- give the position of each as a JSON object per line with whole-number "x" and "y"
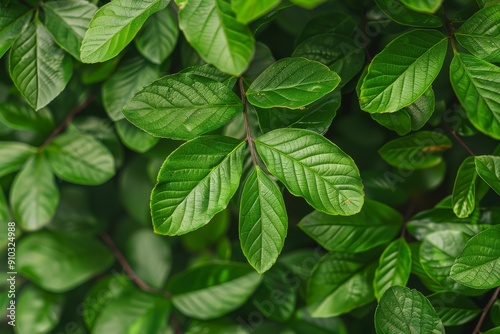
{"x": 486, "y": 309}
{"x": 451, "y": 33}
{"x": 175, "y": 324}
{"x": 248, "y": 138}
{"x": 459, "y": 140}
{"x": 68, "y": 119}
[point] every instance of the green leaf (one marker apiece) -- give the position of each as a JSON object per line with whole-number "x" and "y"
{"x": 114, "y": 25}
{"x": 134, "y": 312}
{"x": 130, "y": 77}
{"x": 135, "y": 138}
{"x": 13, "y": 155}
{"x": 416, "y": 151}
{"x": 476, "y": 84}
{"x": 308, "y": 4}
{"x": 210, "y": 26}
{"x": 292, "y": 83}
{"x": 341, "y": 54}
{"x": 13, "y": 20}
{"x": 405, "y": 311}
{"x": 67, "y": 21}
{"x": 212, "y": 290}
{"x": 488, "y": 168}
{"x": 38, "y": 67}
{"x": 4, "y": 218}
{"x": 424, "y": 6}
{"x": 210, "y": 72}
{"x": 394, "y": 267}
{"x": 158, "y": 37}
{"x": 480, "y": 34}
{"x": 339, "y": 283}
{"x": 478, "y": 266}
{"x": 208, "y": 235}
{"x": 78, "y": 258}
{"x": 80, "y": 159}
{"x": 38, "y": 311}
{"x": 312, "y": 167}
{"x": 263, "y": 220}
{"x": 34, "y": 195}
{"x": 464, "y": 190}
{"x": 21, "y": 117}
{"x": 410, "y": 118}
{"x": 454, "y": 309}
{"x": 374, "y": 225}
{"x": 401, "y": 14}
{"x": 396, "y": 77}
{"x": 195, "y": 182}
{"x": 329, "y": 23}
{"x": 247, "y": 11}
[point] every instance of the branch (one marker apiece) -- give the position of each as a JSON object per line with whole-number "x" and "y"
{"x": 68, "y": 119}
{"x": 486, "y": 309}
{"x": 248, "y": 138}
{"x": 458, "y": 139}
{"x": 451, "y": 33}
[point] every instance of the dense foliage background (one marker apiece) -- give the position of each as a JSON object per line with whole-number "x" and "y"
{"x": 250, "y": 166}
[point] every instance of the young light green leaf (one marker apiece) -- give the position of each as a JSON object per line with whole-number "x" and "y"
{"x": 464, "y": 190}
{"x": 424, "y": 6}
{"x": 476, "y": 83}
{"x": 263, "y": 220}
{"x": 210, "y": 26}
{"x": 80, "y": 159}
{"x": 416, "y": 151}
{"x": 181, "y": 106}
{"x": 158, "y": 37}
{"x": 453, "y": 309}
{"x": 410, "y": 118}
{"x": 401, "y": 14}
{"x": 14, "y": 18}
{"x": 130, "y": 77}
{"x": 394, "y": 267}
{"x": 134, "y": 138}
{"x": 34, "y": 195}
{"x": 212, "y": 290}
{"x": 114, "y": 25}
{"x": 79, "y": 257}
{"x": 312, "y": 167}
{"x": 478, "y": 266}
{"x": 488, "y": 168}
{"x": 292, "y": 83}
{"x": 374, "y": 225}
{"x": 339, "y": 283}
{"x": 39, "y": 68}
{"x": 67, "y": 21}
{"x": 480, "y": 34}
{"x": 132, "y": 312}
{"x": 21, "y": 117}
{"x": 247, "y": 11}
{"x": 308, "y": 4}
{"x": 396, "y": 77}
{"x": 185, "y": 199}
{"x": 13, "y": 155}
{"x": 38, "y": 311}
{"x": 405, "y": 311}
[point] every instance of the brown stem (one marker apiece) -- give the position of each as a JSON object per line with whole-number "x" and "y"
{"x": 486, "y": 309}
{"x": 459, "y": 140}
{"x": 451, "y": 33}
{"x": 248, "y": 138}
{"x": 68, "y": 119}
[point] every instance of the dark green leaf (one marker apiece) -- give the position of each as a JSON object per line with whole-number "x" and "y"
{"x": 13, "y": 155}
{"x": 405, "y": 311}
{"x": 312, "y": 167}
{"x": 329, "y": 23}
{"x": 181, "y": 106}
{"x": 263, "y": 220}
{"x": 292, "y": 83}
{"x": 196, "y": 181}
{"x": 396, "y": 77}
{"x": 78, "y": 258}
{"x": 464, "y": 190}
{"x": 38, "y": 311}
{"x": 210, "y": 72}
{"x": 114, "y": 25}
{"x": 212, "y": 290}
{"x": 453, "y": 309}
{"x": 374, "y": 225}
{"x": 478, "y": 266}
{"x": 401, "y": 14}
{"x": 416, "y": 151}
{"x": 14, "y": 18}
{"x": 135, "y": 138}
{"x": 247, "y": 11}
{"x": 209, "y": 234}
{"x": 21, "y": 117}
{"x": 488, "y": 168}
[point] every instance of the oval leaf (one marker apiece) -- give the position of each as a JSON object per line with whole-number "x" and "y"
{"x": 401, "y": 14}
{"x": 135, "y": 138}
{"x": 38, "y": 311}
{"x": 312, "y": 167}
{"x": 464, "y": 190}
{"x": 247, "y": 11}
{"x": 425, "y": 6}
{"x": 488, "y": 168}
{"x": 13, "y": 155}
{"x": 292, "y": 83}
{"x": 21, "y": 117}
{"x": 195, "y": 182}
{"x": 14, "y": 18}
